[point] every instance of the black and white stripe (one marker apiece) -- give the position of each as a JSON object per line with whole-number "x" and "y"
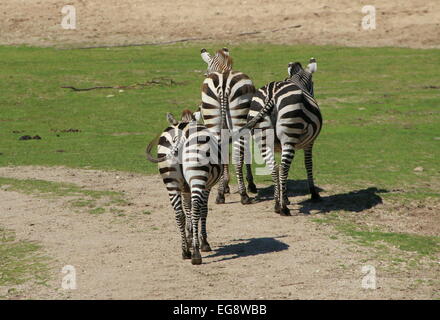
{"x": 188, "y": 163}
{"x": 289, "y": 108}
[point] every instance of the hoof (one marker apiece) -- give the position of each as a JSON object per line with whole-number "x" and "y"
{"x": 277, "y": 208}
{"x": 205, "y": 247}
{"x": 186, "y": 255}
{"x": 252, "y": 188}
{"x": 316, "y": 198}
{"x": 285, "y": 212}
{"x": 196, "y": 258}
{"x": 220, "y": 200}
{"x": 246, "y": 200}
{"x": 196, "y": 261}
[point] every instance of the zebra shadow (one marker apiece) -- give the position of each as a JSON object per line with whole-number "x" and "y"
{"x": 353, "y": 201}
{"x": 294, "y": 188}
{"x": 249, "y": 247}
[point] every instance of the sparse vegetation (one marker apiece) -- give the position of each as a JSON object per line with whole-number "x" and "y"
{"x": 45, "y": 188}
{"x": 20, "y": 261}
{"x": 363, "y": 235}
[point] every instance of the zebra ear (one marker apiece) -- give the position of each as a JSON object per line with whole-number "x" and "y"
{"x": 171, "y": 120}
{"x": 205, "y": 56}
{"x": 289, "y": 69}
{"x": 312, "y": 66}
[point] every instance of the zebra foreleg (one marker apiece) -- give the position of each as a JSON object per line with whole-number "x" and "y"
{"x": 308, "y": 162}
{"x": 176, "y": 202}
{"x": 204, "y": 245}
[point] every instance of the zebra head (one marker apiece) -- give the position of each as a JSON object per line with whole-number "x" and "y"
{"x": 301, "y": 76}
{"x": 174, "y": 135}
{"x": 221, "y": 62}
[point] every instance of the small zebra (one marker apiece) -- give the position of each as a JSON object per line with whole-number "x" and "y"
{"x": 226, "y": 97}
{"x": 187, "y": 155}
{"x": 290, "y": 108}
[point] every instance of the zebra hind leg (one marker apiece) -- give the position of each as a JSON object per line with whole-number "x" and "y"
{"x": 276, "y": 181}
{"x": 196, "y": 204}
{"x": 226, "y": 189}
{"x": 221, "y": 187}
{"x": 286, "y": 160}
{"x": 250, "y": 179}
{"x": 308, "y": 162}
{"x": 187, "y": 207}
{"x": 176, "y": 201}
{"x": 204, "y": 245}
{"x": 238, "y": 155}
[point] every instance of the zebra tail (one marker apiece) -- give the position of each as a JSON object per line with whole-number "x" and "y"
{"x": 251, "y": 124}
{"x": 223, "y": 106}
{"x": 148, "y": 151}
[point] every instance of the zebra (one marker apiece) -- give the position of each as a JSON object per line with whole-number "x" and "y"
{"x": 290, "y": 109}
{"x": 226, "y": 97}
{"x": 187, "y": 156}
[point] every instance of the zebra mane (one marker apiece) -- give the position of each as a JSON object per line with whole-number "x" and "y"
{"x": 187, "y": 115}
{"x": 225, "y": 58}
{"x": 302, "y": 78}
{"x": 295, "y": 68}
{"x": 221, "y": 62}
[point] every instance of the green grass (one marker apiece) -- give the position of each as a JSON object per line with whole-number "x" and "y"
{"x": 20, "y": 261}
{"x": 381, "y": 117}
{"x": 374, "y": 237}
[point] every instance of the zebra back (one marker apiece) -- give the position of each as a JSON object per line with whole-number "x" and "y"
{"x": 289, "y": 109}
{"x": 226, "y": 100}
{"x": 192, "y": 156}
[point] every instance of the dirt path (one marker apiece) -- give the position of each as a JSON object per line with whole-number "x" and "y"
{"x": 414, "y": 23}
{"x": 256, "y": 253}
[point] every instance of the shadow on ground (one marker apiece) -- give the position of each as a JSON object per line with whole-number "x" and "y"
{"x": 294, "y": 188}
{"x": 249, "y": 247}
{"x": 354, "y": 201}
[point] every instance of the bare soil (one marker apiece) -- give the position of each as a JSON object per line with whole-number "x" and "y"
{"x": 256, "y": 253}
{"x": 399, "y": 23}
